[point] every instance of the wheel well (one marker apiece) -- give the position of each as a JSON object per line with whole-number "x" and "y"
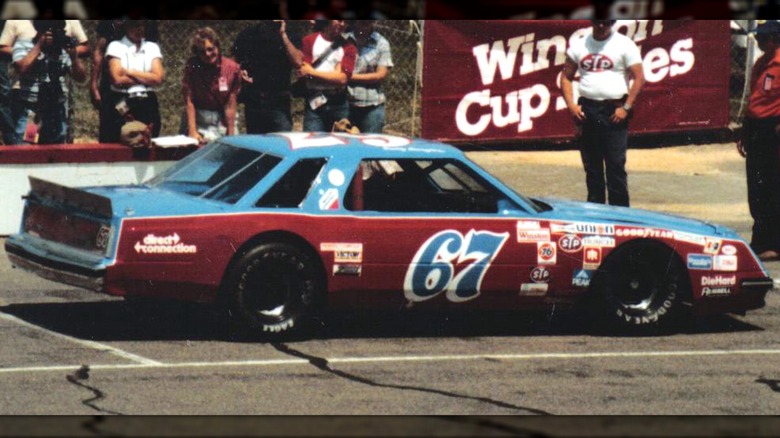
{"x": 688, "y": 292}
{"x": 276, "y": 237}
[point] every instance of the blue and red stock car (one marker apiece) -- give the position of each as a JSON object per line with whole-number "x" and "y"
{"x": 280, "y": 226}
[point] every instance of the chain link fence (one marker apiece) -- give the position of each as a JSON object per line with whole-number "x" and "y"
{"x": 402, "y": 86}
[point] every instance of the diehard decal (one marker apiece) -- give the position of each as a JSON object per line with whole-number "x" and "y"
{"x": 719, "y": 280}
{"x": 451, "y": 262}
{"x": 540, "y": 274}
{"x": 172, "y": 244}
{"x": 715, "y": 291}
{"x": 546, "y": 253}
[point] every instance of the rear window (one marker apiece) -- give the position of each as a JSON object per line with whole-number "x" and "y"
{"x": 219, "y": 171}
{"x": 292, "y": 188}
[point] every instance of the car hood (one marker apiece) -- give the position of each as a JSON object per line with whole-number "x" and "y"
{"x": 144, "y": 201}
{"x": 590, "y": 212}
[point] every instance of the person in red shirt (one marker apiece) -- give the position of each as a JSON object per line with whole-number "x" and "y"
{"x": 210, "y": 87}
{"x": 760, "y": 143}
{"x": 328, "y": 63}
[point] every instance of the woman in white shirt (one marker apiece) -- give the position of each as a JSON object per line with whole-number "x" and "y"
{"x": 136, "y": 69}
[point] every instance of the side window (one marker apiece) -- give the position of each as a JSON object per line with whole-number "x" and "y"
{"x": 425, "y": 186}
{"x": 293, "y": 186}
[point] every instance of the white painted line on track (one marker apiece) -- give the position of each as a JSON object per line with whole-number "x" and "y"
{"x": 89, "y": 344}
{"x": 377, "y": 359}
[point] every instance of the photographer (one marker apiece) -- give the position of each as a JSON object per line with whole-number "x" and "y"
{"x": 43, "y": 64}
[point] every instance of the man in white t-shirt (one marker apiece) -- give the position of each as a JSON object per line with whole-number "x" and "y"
{"x": 606, "y": 62}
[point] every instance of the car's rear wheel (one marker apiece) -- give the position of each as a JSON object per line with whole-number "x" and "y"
{"x": 273, "y": 289}
{"x": 641, "y": 288}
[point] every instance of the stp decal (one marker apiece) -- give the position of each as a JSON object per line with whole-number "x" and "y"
{"x": 449, "y": 261}
{"x": 540, "y": 274}
{"x": 570, "y": 243}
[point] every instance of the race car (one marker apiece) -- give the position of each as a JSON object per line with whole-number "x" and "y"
{"x": 279, "y": 227}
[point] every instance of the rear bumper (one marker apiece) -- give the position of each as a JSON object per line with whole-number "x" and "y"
{"x": 62, "y": 272}
{"x": 752, "y": 296}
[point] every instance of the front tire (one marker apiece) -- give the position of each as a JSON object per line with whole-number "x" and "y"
{"x": 641, "y": 288}
{"x": 273, "y": 290}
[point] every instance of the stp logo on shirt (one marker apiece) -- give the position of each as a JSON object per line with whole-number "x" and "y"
{"x": 595, "y": 62}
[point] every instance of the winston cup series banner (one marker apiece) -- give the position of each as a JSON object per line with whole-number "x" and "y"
{"x": 500, "y": 80}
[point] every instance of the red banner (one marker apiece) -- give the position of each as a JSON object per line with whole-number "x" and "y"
{"x": 500, "y": 80}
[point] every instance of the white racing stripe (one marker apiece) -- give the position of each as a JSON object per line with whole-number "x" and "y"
{"x": 89, "y": 344}
{"x": 377, "y": 359}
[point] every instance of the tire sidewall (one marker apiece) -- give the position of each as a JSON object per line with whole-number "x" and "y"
{"x": 299, "y": 303}
{"x": 666, "y": 307}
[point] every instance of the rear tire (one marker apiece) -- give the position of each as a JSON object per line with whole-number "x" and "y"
{"x": 273, "y": 291}
{"x": 641, "y": 288}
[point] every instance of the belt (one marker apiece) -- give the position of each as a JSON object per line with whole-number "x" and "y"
{"x": 138, "y": 95}
{"x": 615, "y": 102}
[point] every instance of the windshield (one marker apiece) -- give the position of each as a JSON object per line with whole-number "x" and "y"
{"x": 218, "y": 171}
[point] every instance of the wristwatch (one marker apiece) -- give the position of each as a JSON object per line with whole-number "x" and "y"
{"x": 627, "y": 107}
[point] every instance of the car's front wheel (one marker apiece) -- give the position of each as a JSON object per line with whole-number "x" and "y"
{"x": 641, "y": 288}
{"x": 273, "y": 290}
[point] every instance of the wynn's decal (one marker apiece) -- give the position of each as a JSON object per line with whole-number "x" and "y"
{"x": 172, "y": 244}
{"x": 449, "y": 261}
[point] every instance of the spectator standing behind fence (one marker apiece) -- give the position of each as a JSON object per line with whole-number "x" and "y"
{"x": 136, "y": 69}
{"x": 100, "y": 79}
{"x": 760, "y": 141}
{"x": 210, "y": 88}
{"x": 267, "y": 55}
{"x": 6, "y": 120}
{"x": 328, "y": 63}
{"x": 374, "y": 61}
{"x": 44, "y": 55}
{"x": 605, "y": 61}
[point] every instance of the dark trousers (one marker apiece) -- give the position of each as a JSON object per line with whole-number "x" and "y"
{"x": 145, "y": 109}
{"x": 603, "y": 147}
{"x": 268, "y": 114}
{"x": 763, "y": 180}
{"x": 7, "y": 125}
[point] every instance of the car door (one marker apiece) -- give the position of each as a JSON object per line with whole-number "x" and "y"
{"x": 434, "y": 233}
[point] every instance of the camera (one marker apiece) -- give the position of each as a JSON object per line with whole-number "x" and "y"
{"x": 60, "y": 40}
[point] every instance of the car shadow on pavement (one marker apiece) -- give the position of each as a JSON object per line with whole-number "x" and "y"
{"x": 171, "y": 321}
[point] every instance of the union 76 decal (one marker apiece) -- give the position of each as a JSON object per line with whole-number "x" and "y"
{"x": 434, "y": 268}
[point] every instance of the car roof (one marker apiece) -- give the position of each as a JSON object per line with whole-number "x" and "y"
{"x": 322, "y": 144}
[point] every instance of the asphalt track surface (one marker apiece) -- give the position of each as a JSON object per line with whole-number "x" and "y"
{"x": 66, "y": 351}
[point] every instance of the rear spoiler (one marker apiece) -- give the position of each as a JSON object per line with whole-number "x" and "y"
{"x": 96, "y": 204}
